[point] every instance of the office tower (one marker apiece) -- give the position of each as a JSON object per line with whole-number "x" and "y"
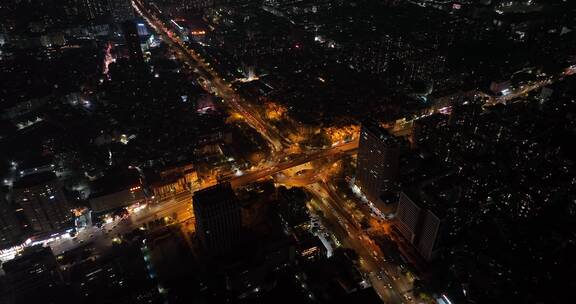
{"x": 218, "y": 218}
{"x": 378, "y": 157}
{"x": 420, "y": 223}
{"x": 132, "y": 38}
{"x": 41, "y": 199}
{"x": 34, "y": 276}
{"x": 10, "y": 230}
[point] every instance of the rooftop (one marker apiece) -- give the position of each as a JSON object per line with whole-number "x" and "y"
{"x": 219, "y": 194}
{"x": 113, "y": 180}
{"x": 375, "y": 129}
{"x": 437, "y": 194}
{"x": 34, "y": 180}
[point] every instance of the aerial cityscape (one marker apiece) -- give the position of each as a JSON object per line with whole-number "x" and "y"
{"x": 287, "y": 151}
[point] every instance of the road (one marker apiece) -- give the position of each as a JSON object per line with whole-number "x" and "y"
{"x": 388, "y": 288}
{"x": 221, "y": 86}
{"x": 339, "y": 150}
{"x": 402, "y": 283}
{"x": 389, "y": 283}
{"x": 178, "y": 207}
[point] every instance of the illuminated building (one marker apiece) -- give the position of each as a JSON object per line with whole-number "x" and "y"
{"x": 34, "y": 276}
{"x": 142, "y": 30}
{"x": 118, "y": 188}
{"x": 10, "y": 232}
{"x": 42, "y": 201}
{"x": 82, "y": 217}
{"x": 53, "y": 39}
{"x": 378, "y": 157}
{"x": 218, "y": 218}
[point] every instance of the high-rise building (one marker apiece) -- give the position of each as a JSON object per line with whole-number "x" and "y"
{"x": 218, "y": 218}
{"x": 419, "y": 224}
{"x": 41, "y": 199}
{"x": 378, "y": 158}
{"x": 10, "y": 230}
{"x": 133, "y": 45}
{"x": 429, "y": 239}
{"x": 408, "y": 217}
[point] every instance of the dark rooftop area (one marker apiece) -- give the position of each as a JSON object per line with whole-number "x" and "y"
{"x": 33, "y": 180}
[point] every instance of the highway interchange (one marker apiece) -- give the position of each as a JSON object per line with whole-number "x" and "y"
{"x": 390, "y": 284}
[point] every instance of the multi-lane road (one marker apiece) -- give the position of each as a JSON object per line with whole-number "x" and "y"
{"x": 386, "y": 277}
{"x": 389, "y": 283}
{"x": 335, "y": 151}
{"x": 382, "y": 276}
{"x": 177, "y": 207}
{"x": 223, "y": 88}
{"x": 389, "y": 289}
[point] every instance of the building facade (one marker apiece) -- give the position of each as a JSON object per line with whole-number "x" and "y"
{"x": 419, "y": 225}
{"x": 408, "y": 217}
{"x": 41, "y": 199}
{"x": 133, "y": 45}
{"x": 10, "y": 230}
{"x": 218, "y": 218}
{"x": 378, "y": 159}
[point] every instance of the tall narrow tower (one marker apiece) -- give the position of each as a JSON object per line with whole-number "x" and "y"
{"x": 378, "y": 158}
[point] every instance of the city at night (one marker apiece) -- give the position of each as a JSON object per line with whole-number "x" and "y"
{"x": 287, "y": 151}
